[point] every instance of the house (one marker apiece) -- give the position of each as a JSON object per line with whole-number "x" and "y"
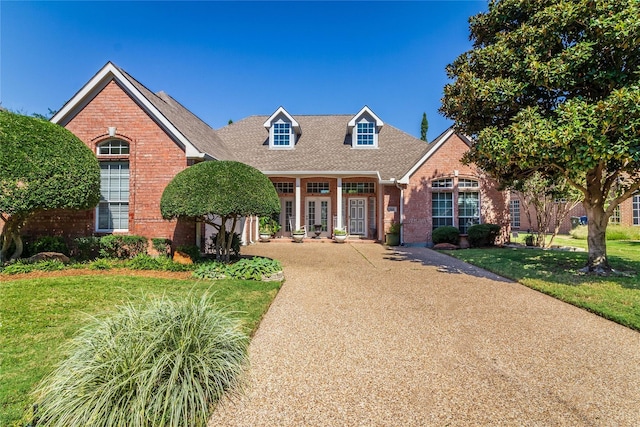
{"x": 354, "y": 171}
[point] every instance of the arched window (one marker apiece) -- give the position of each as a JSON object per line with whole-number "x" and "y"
{"x": 112, "y": 212}
{"x": 113, "y": 147}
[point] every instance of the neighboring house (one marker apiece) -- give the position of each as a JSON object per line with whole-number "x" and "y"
{"x": 331, "y": 171}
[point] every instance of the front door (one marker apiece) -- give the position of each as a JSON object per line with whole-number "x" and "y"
{"x": 318, "y": 209}
{"x": 357, "y": 216}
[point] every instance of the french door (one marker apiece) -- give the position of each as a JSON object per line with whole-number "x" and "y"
{"x": 357, "y": 216}
{"x": 317, "y": 214}
{"x": 286, "y": 216}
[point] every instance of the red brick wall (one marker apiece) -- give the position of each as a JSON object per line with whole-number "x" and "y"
{"x": 153, "y": 161}
{"x": 445, "y": 163}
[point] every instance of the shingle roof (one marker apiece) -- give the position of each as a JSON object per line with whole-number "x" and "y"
{"x": 324, "y": 146}
{"x": 200, "y": 134}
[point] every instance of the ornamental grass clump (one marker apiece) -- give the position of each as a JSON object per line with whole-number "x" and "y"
{"x": 165, "y": 364}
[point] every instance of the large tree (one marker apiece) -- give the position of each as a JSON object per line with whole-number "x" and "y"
{"x": 219, "y": 192}
{"x": 43, "y": 166}
{"x": 554, "y": 86}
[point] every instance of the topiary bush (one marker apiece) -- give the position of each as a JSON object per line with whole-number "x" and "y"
{"x": 446, "y": 234}
{"x": 166, "y": 363}
{"x": 50, "y": 244}
{"x": 122, "y": 246}
{"x": 483, "y": 234}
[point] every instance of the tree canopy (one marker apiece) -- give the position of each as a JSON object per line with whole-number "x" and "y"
{"x": 43, "y": 166}
{"x": 554, "y": 86}
{"x": 219, "y": 191}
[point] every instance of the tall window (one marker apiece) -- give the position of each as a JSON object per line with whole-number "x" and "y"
{"x": 365, "y": 134}
{"x": 442, "y": 209}
{"x": 282, "y": 134}
{"x": 113, "y": 209}
{"x": 468, "y": 210}
{"x": 514, "y": 210}
{"x": 636, "y": 209}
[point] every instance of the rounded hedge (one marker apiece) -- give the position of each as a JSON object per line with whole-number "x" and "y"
{"x": 483, "y": 234}
{"x": 223, "y": 188}
{"x": 44, "y": 166}
{"x": 446, "y": 234}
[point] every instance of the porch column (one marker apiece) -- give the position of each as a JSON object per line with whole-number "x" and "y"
{"x": 402, "y": 215}
{"x": 339, "y": 205}
{"x": 298, "y": 205}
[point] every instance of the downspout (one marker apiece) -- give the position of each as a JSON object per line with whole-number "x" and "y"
{"x": 401, "y": 211}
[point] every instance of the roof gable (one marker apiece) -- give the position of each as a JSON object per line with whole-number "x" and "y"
{"x": 279, "y": 113}
{"x": 197, "y": 138}
{"x": 433, "y": 148}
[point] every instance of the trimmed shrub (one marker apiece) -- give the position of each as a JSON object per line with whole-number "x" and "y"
{"x": 86, "y": 248}
{"x": 166, "y": 363}
{"x": 192, "y": 250}
{"x": 483, "y": 234}
{"x": 446, "y": 234}
{"x": 122, "y": 246}
{"x": 49, "y": 244}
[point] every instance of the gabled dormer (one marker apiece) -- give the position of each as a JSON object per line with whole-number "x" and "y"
{"x": 364, "y": 128}
{"x": 283, "y": 129}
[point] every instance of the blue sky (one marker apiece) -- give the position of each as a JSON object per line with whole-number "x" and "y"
{"x": 229, "y": 60}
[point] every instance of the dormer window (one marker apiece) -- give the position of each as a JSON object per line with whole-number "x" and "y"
{"x": 281, "y": 134}
{"x": 283, "y": 130}
{"x": 366, "y": 133}
{"x": 364, "y": 128}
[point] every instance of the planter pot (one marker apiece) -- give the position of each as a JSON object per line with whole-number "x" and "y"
{"x": 392, "y": 239}
{"x": 264, "y": 237}
{"x": 340, "y": 238}
{"x": 298, "y": 238}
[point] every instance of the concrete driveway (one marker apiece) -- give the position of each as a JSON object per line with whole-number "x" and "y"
{"x": 361, "y": 335}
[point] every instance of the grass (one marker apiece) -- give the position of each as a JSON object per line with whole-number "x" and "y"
{"x": 38, "y": 315}
{"x": 556, "y": 273}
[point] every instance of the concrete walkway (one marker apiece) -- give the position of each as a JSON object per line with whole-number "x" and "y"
{"x": 361, "y": 335}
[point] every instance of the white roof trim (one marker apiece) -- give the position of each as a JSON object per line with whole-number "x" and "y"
{"x": 337, "y": 174}
{"x": 281, "y": 110}
{"x": 99, "y": 81}
{"x": 365, "y": 109}
{"x": 436, "y": 145}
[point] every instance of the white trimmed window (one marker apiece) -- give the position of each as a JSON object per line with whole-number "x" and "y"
{"x": 514, "y": 211}
{"x": 112, "y": 213}
{"x": 113, "y": 209}
{"x": 636, "y": 209}
{"x": 442, "y": 183}
{"x": 615, "y": 217}
{"x": 281, "y": 135}
{"x": 365, "y": 134}
{"x": 442, "y": 209}
{"x": 468, "y": 210}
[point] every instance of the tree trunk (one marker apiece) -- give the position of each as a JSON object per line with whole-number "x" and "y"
{"x": 597, "y": 222}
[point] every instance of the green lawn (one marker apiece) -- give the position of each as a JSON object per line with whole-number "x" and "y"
{"x": 556, "y": 273}
{"x": 37, "y": 315}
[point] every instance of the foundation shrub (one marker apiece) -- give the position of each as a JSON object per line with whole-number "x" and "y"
{"x": 481, "y": 235}
{"x": 49, "y": 244}
{"x": 162, "y": 245}
{"x": 166, "y": 363}
{"x": 122, "y": 246}
{"x": 446, "y": 234}
{"x": 86, "y": 248}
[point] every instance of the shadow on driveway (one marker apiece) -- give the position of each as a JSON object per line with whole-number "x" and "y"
{"x": 443, "y": 262}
